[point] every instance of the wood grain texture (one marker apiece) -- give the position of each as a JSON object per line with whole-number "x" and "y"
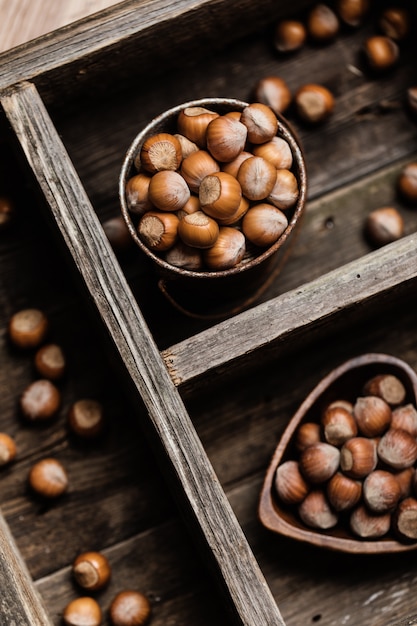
{"x": 20, "y": 604}
{"x": 208, "y": 506}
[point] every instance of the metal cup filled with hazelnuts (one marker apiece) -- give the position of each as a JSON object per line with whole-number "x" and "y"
{"x": 212, "y": 191}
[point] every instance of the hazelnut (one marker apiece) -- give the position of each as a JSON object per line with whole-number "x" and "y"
{"x": 277, "y": 151}
{"x": 316, "y": 512}
{"x": 352, "y": 12}
{"x": 232, "y": 167}
{"x": 7, "y": 449}
{"x": 50, "y": 361}
{"x": 381, "y": 52}
{"x": 263, "y": 224}
{"x": 40, "y": 400}
{"x": 86, "y": 417}
{"x": 384, "y": 225}
{"x": 405, "y": 479}
{"x": 290, "y": 484}
{"x": 322, "y": 23}
{"x": 343, "y": 492}
{"x": 160, "y": 152}
{"x": 319, "y": 462}
{"x": 338, "y": 425}
{"x": 197, "y": 166}
{"x": 307, "y": 434}
{"x": 191, "y": 206}
{"x": 405, "y": 418}
{"x": 257, "y": 178}
{"x": 381, "y": 491}
{"x": 369, "y": 525}
{"x": 313, "y": 103}
{"x": 394, "y": 22}
{"x": 344, "y": 404}
{"x": 187, "y": 257}
{"x": 411, "y": 99}
{"x": 358, "y": 457}
{"x": 192, "y": 123}
{"x": 289, "y": 35}
{"x": 168, "y": 191}
{"x": 404, "y": 520}
{"x": 28, "y": 328}
{"x": 130, "y": 608}
{"x": 285, "y": 191}
{"x": 386, "y": 386}
{"x": 48, "y": 478}
{"x": 220, "y": 195}
{"x": 117, "y": 233}
{"x": 198, "y": 230}
{"x": 187, "y": 146}
{"x": 226, "y": 138}
{"x": 227, "y": 251}
{"x": 137, "y": 193}
{"x": 158, "y": 229}
{"x": 407, "y": 183}
{"x": 236, "y": 217}
{"x": 82, "y": 611}
{"x": 261, "y": 122}
{"x": 274, "y": 92}
{"x": 91, "y": 570}
{"x": 397, "y": 448}
{"x": 372, "y": 414}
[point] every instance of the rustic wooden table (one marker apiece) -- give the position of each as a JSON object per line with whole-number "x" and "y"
{"x": 336, "y": 298}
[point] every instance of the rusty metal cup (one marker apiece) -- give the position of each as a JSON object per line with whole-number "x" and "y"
{"x": 212, "y": 294}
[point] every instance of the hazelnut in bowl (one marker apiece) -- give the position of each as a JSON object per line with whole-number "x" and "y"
{"x": 343, "y": 475}
{"x": 212, "y": 191}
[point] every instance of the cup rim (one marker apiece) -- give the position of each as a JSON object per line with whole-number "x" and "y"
{"x": 155, "y": 125}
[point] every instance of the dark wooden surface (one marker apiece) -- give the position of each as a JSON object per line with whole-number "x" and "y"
{"x": 119, "y": 500}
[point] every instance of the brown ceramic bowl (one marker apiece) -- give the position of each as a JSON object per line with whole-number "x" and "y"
{"x": 345, "y": 382}
{"x": 239, "y": 282}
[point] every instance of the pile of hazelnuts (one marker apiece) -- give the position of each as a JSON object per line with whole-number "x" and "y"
{"x": 215, "y": 192}
{"x": 355, "y": 467}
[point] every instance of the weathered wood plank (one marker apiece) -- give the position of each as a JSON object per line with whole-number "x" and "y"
{"x": 21, "y": 604}
{"x": 209, "y": 512}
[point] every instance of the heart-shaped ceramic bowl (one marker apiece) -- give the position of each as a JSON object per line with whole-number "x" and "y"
{"x": 346, "y": 381}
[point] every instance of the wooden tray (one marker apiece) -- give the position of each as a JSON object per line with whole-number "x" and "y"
{"x": 212, "y": 398}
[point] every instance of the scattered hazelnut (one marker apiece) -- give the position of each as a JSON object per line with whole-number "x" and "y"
{"x": 407, "y": 183}
{"x": 319, "y": 462}
{"x": 381, "y": 52}
{"x": 274, "y": 92}
{"x": 372, "y": 414}
{"x": 313, "y": 103}
{"x": 28, "y": 328}
{"x": 290, "y": 484}
{"x": 130, "y": 608}
{"x": 394, "y": 22}
{"x": 352, "y": 12}
{"x": 50, "y": 361}
{"x": 322, "y": 23}
{"x": 368, "y": 525}
{"x": 384, "y": 225}
{"x": 86, "y": 417}
{"x": 381, "y": 491}
{"x": 117, "y": 233}
{"x": 91, "y": 570}
{"x": 316, "y": 512}
{"x": 48, "y": 478}
{"x": 386, "y": 386}
{"x": 289, "y": 36}
{"x": 397, "y": 448}
{"x": 7, "y": 449}
{"x": 82, "y": 611}
{"x": 40, "y": 400}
